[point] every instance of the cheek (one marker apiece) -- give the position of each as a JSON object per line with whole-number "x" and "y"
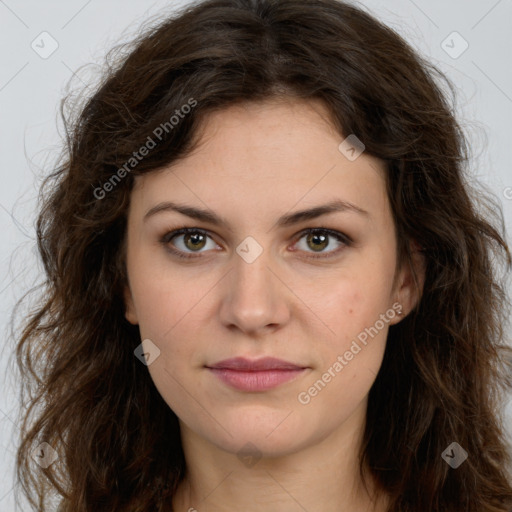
{"x": 354, "y": 302}
{"x": 352, "y": 356}
{"x": 166, "y": 317}
{"x": 164, "y": 298}
{"x": 171, "y": 320}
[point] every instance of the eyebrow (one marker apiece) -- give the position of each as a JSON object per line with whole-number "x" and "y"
{"x": 284, "y": 221}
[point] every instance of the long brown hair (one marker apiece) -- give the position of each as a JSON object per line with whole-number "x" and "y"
{"x": 445, "y": 369}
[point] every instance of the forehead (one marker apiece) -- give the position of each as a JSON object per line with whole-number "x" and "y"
{"x": 268, "y": 154}
{"x": 274, "y": 126}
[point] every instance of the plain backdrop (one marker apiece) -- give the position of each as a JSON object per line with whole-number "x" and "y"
{"x": 43, "y": 45}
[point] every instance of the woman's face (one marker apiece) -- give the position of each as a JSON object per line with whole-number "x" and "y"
{"x": 257, "y": 286}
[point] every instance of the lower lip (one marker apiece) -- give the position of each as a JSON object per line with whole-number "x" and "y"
{"x": 255, "y": 380}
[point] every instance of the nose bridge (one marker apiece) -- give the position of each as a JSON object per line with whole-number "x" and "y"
{"x": 254, "y": 297}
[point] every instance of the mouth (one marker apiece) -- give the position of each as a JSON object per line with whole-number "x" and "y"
{"x": 255, "y": 375}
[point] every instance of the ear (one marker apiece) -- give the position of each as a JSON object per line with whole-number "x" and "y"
{"x": 130, "y": 313}
{"x": 407, "y": 291}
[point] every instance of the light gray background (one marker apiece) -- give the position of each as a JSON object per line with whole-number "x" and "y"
{"x": 31, "y": 88}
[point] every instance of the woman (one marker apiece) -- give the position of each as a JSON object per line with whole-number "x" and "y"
{"x": 268, "y": 284}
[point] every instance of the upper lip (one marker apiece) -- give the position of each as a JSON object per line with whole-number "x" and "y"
{"x": 265, "y": 363}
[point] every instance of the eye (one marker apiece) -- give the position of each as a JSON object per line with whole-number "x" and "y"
{"x": 318, "y": 240}
{"x": 192, "y": 240}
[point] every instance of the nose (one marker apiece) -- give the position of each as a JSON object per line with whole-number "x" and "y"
{"x": 254, "y": 298}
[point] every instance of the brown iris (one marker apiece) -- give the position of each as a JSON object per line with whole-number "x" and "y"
{"x": 315, "y": 236}
{"x": 197, "y": 240}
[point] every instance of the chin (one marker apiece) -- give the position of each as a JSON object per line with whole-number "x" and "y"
{"x": 270, "y": 435}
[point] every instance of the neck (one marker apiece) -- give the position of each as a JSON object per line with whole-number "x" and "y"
{"x": 323, "y": 476}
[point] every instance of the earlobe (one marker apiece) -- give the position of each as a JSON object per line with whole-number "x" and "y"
{"x": 130, "y": 313}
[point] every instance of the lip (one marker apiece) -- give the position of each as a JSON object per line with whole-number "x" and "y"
{"x": 255, "y": 375}
{"x": 254, "y": 365}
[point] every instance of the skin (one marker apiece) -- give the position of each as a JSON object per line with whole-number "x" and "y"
{"x": 255, "y": 163}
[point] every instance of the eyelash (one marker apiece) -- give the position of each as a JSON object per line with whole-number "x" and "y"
{"x": 341, "y": 237}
